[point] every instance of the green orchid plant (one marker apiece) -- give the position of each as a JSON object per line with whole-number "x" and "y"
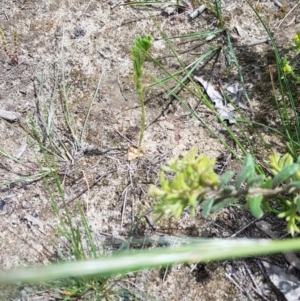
{"x": 192, "y": 182}
{"x": 139, "y": 53}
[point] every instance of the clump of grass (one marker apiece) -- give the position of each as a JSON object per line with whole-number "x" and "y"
{"x": 138, "y": 54}
{"x": 287, "y": 109}
{"x": 80, "y": 242}
{"x": 13, "y": 56}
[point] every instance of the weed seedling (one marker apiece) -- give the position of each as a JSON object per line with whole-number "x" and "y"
{"x": 196, "y": 184}
{"x": 138, "y": 54}
{"x": 13, "y": 56}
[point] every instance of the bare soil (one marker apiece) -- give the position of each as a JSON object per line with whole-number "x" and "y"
{"x": 74, "y": 45}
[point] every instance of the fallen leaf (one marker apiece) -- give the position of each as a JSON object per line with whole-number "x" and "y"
{"x": 216, "y": 98}
{"x": 132, "y": 153}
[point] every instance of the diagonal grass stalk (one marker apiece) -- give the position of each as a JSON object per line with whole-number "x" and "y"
{"x": 188, "y": 74}
{"x": 89, "y": 110}
{"x": 201, "y": 250}
{"x": 65, "y": 99}
{"x": 198, "y": 34}
{"x": 207, "y": 103}
{"x": 235, "y": 60}
{"x": 46, "y": 127}
{"x": 199, "y": 119}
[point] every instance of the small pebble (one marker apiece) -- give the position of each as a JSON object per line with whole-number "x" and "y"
{"x": 25, "y": 205}
{"x": 34, "y": 214}
{"x": 78, "y": 32}
{"x": 276, "y": 2}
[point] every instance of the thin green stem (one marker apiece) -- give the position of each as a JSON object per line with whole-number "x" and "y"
{"x": 141, "y": 97}
{"x": 139, "y": 51}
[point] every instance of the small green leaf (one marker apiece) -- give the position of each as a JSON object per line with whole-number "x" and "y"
{"x": 256, "y": 181}
{"x": 297, "y": 202}
{"x": 190, "y": 156}
{"x": 223, "y": 204}
{"x": 273, "y": 164}
{"x": 206, "y": 207}
{"x": 178, "y": 209}
{"x": 246, "y": 173}
{"x": 267, "y": 184}
{"x": 285, "y": 174}
{"x": 228, "y": 189}
{"x": 255, "y": 205}
{"x": 286, "y": 160}
{"x": 225, "y": 178}
{"x": 283, "y": 214}
{"x": 295, "y": 184}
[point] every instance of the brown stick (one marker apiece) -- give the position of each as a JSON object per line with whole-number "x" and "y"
{"x": 87, "y": 188}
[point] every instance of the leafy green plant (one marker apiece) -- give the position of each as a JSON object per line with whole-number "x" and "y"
{"x": 194, "y": 183}
{"x": 138, "y": 54}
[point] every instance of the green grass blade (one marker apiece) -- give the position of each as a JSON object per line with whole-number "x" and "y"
{"x": 198, "y": 62}
{"x": 89, "y": 110}
{"x": 199, "y": 250}
{"x": 198, "y": 34}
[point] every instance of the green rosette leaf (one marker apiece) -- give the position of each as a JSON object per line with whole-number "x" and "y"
{"x": 255, "y": 205}
{"x": 247, "y": 172}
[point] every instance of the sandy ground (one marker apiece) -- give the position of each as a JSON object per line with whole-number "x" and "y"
{"x": 75, "y": 46}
